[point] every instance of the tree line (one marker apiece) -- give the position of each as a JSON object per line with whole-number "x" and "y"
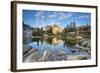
{"x": 71, "y": 27}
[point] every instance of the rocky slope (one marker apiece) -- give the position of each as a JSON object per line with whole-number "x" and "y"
{"x": 54, "y": 28}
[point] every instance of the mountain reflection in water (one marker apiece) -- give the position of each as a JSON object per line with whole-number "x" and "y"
{"x": 52, "y": 41}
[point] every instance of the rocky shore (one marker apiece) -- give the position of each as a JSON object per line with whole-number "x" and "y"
{"x": 84, "y": 44}
{"x": 33, "y": 55}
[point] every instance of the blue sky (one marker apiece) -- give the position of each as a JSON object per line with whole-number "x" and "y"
{"x": 38, "y": 18}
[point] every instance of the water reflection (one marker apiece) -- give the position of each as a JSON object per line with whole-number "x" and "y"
{"x": 55, "y": 49}
{"x": 54, "y": 41}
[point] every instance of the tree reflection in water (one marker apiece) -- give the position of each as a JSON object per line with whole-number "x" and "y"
{"x": 55, "y": 41}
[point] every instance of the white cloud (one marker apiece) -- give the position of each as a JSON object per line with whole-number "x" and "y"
{"x": 83, "y": 16}
{"x": 63, "y": 16}
{"x": 51, "y": 16}
{"x": 39, "y": 13}
{"x": 60, "y": 15}
{"x": 42, "y": 17}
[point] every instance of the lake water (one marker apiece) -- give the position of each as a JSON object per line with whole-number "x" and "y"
{"x": 56, "y": 45}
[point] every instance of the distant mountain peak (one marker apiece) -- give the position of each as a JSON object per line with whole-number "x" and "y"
{"x": 54, "y": 28}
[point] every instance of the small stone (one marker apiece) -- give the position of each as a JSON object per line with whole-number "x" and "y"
{"x": 46, "y": 55}
{"x": 60, "y": 53}
{"x": 32, "y": 57}
{"x": 84, "y": 43}
{"x": 76, "y": 57}
{"x": 26, "y": 48}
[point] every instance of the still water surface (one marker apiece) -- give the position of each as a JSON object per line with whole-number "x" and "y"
{"x": 55, "y": 44}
